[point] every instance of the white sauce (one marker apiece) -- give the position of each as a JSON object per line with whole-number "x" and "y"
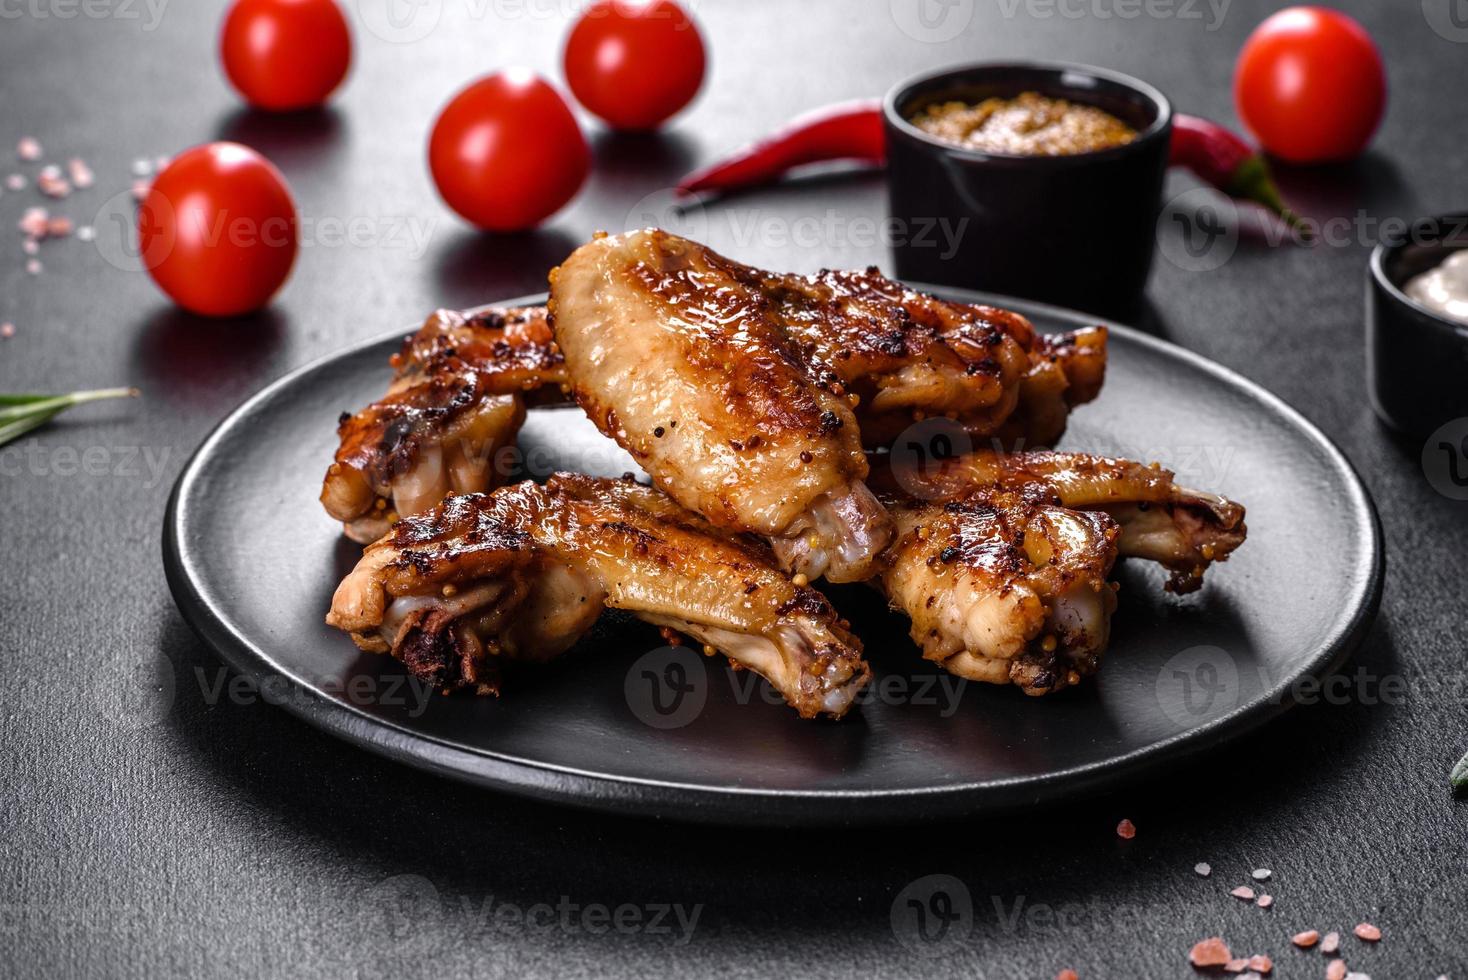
{"x": 1444, "y": 289}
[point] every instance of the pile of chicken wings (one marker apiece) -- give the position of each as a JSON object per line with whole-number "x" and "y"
{"x": 770, "y": 412}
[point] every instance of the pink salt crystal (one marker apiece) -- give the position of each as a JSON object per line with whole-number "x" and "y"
{"x": 1260, "y": 963}
{"x": 1202, "y": 869}
{"x": 1244, "y": 892}
{"x": 1209, "y": 952}
{"x": 1305, "y": 939}
{"x": 33, "y": 267}
{"x": 81, "y": 174}
{"x": 7, "y": 330}
{"x": 58, "y": 227}
{"x": 140, "y": 189}
{"x": 160, "y": 164}
{"x": 31, "y": 247}
{"x": 28, "y": 149}
{"x": 50, "y": 182}
{"x": 15, "y": 182}
{"x": 1331, "y": 943}
{"x": 35, "y": 222}
{"x": 1236, "y": 966}
{"x": 1126, "y": 830}
{"x": 1264, "y": 901}
{"x": 1368, "y": 932}
{"x": 1336, "y": 970}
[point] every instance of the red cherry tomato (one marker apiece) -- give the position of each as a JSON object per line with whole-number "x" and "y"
{"x": 217, "y": 230}
{"x": 506, "y": 152}
{"x": 634, "y": 65}
{"x": 285, "y": 54}
{"x": 1309, "y": 85}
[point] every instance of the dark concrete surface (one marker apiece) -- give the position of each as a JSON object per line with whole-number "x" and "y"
{"x": 149, "y": 830}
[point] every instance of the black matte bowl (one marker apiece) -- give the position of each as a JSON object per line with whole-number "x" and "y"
{"x": 1074, "y": 230}
{"x": 1416, "y": 359}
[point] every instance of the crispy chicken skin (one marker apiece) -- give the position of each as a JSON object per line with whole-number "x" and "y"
{"x": 1181, "y": 529}
{"x": 906, "y": 356}
{"x": 1065, "y": 370}
{"x": 462, "y": 382}
{"x": 902, "y": 355}
{"x": 748, "y": 394}
{"x": 1003, "y": 586}
{"x": 694, "y": 374}
{"x": 522, "y": 572}
{"x": 457, "y": 398}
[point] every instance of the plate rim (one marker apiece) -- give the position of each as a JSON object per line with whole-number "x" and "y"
{"x": 554, "y": 783}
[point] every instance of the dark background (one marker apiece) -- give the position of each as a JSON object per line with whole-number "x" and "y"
{"x": 148, "y": 833}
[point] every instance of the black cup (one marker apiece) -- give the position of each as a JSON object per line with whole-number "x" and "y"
{"x": 1416, "y": 359}
{"x": 1075, "y": 230}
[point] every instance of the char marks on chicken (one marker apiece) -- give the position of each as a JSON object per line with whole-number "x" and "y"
{"x": 755, "y": 400}
{"x": 522, "y": 572}
{"x": 1183, "y": 530}
{"x": 748, "y": 395}
{"x": 457, "y": 399}
{"x": 1003, "y": 586}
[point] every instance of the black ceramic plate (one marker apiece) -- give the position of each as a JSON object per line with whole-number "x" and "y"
{"x": 620, "y": 725}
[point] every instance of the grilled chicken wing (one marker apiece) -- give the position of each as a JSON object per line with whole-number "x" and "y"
{"x": 522, "y": 572}
{"x": 693, "y": 375}
{"x": 1065, "y": 370}
{"x": 1003, "y": 586}
{"x": 901, "y": 354}
{"x": 1183, "y": 530}
{"x": 457, "y": 398}
{"x": 747, "y": 395}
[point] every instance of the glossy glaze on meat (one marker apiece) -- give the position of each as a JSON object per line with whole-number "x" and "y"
{"x": 456, "y": 401}
{"x": 691, "y": 374}
{"x": 522, "y": 572}
{"x": 907, "y": 356}
{"x": 748, "y": 395}
{"x": 1003, "y": 586}
{"x": 1183, "y": 530}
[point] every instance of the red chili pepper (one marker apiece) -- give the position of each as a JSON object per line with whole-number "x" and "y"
{"x": 853, "y": 131}
{"x": 848, "y": 131}
{"x": 1220, "y": 158}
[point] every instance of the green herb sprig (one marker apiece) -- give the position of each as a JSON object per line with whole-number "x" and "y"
{"x": 20, "y": 414}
